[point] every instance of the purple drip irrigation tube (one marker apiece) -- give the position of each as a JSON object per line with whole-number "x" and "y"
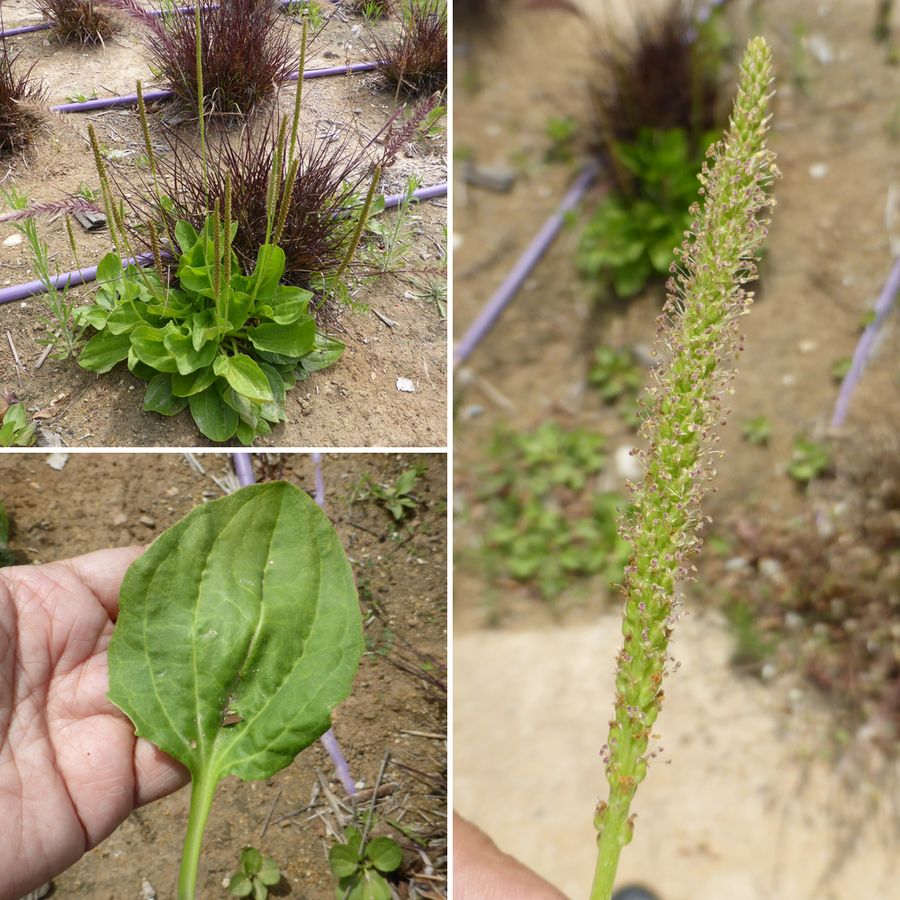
{"x": 154, "y": 13}
{"x": 243, "y": 468}
{"x": 492, "y": 311}
{"x": 153, "y": 96}
{"x": 89, "y": 273}
{"x": 864, "y": 346}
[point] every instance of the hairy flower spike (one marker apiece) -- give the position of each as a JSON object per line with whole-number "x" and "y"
{"x": 698, "y": 328}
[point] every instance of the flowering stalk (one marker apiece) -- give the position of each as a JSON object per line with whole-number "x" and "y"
{"x": 699, "y": 333}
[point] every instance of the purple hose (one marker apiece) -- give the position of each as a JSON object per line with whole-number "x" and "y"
{"x": 153, "y": 96}
{"x": 153, "y": 13}
{"x": 864, "y": 346}
{"x": 243, "y": 468}
{"x": 488, "y": 316}
{"x": 83, "y": 276}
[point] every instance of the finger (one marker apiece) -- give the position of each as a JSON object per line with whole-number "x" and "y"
{"x": 156, "y": 774}
{"x": 102, "y": 573}
{"x": 482, "y": 871}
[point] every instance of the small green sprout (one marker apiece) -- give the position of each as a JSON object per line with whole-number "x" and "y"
{"x": 397, "y": 498}
{"x": 757, "y": 431}
{"x": 15, "y": 431}
{"x": 615, "y": 373}
{"x": 255, "y": 876}
{"x": 562, "y": 131}
{"x": 360, "y": 866}
{"x": 809, "y": 461}
{"x": 840, "y": 368}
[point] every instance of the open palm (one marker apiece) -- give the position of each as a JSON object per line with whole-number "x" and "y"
{"x": 71, "y": 769}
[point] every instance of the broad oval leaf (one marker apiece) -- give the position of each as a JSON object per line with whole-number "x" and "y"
{"x": 245, "y": 376}
{"x": 159, "y": 397}
{"x": 384, "y": 854}
{"x": 103, "y": 351}
{"x": 293, "y": 340}
{"x": 247, "y": 607}
{"x": 212, "y": 415}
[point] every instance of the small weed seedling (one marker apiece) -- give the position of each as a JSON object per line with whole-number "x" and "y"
{"x": 239, "y": 631}
{"x": 360, "y": 866}
{"x": 561, "y": 132}
{"x": 809, "y": 460}
{"x": 257, "y": 873}
{"x": 396, "y": 498}
{"x": 615, "y": 374}
{"x": 700, "y": 333}
{"x": 757, "y": 431}
{"x": 62, "y": 322}
{"x": 840, "y": 368}
{"x": 394, "y": 232}
{"x": 541, "y": 532}
{"x": 15, "y": 430}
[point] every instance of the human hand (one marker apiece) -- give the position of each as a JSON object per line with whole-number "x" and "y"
{"x": 482, "y": 871}
{"x": 71, "y": 768}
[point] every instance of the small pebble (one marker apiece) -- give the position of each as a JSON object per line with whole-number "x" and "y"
{"x": 818, "y": 170}
{"x": 146, "y": 520}
{"x": 406, "y": 385}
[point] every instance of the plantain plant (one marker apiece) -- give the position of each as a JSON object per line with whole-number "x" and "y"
{"x": 225, "y": 343}
{"x": 699, "y": 335}
{"x": 239, "y": 631}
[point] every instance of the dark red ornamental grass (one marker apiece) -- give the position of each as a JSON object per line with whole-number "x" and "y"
{"x": 383, "y": 8}
{"x": 246, "y": 51}
{"x": 416, "y": 62}
{"x": 18, "y": 91}
{"x": 78, "y": 21}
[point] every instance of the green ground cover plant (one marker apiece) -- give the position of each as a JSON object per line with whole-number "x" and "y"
{"x": 15, "y": 430}
{"x": 700, "y": 334}
{"x": 239, "y": 632}
{"x": 361, "y": 865}
{"x": 254, "y": 877}
{"x": 538, "y": 529}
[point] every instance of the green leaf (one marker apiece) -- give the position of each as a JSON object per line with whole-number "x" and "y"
{"x": 109, "y": 269}
{"x": 251, "y": 860}
{"x": 240, "y": 885}
{"x": 185, "y": 385}
{"x": 215, "y": 418}
{"x": 245, "y": 376}
{"x": 186, "y": 236}
{"x": 269, "y": 873}
{"x": 95, "y": 316}
{"x": 149, "y": 347}
{"x": 294, "y": 340}
{"x": 103, "y": 351}
{"x": 247, "y": 605}
{"x": 287, "y": 304}
{"x": 327, "y": 352}
{"x": 274, "y": 411}
{"x": 343, "y": 860}
{"x": 267, "y": 273}
{"x": 189, "y": 358}
{"x": 159, "y": 398}
{"x": 260, "y": 891}
{"x": 384, "y": 854}
{"x": 374, "y": 887}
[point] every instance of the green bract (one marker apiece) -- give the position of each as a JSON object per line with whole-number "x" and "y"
{"x": 225, "y": 344}
{"x": 239, "y": 632}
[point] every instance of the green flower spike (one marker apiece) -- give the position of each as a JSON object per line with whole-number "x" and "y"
{"x": 698, "y": 335}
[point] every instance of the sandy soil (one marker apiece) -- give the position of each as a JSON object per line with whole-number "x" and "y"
{"x": 752, "y": 805}
{"x": 356, "y": 402}
{"x": 99, "y": 501}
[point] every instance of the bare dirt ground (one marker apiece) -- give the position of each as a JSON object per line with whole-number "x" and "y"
{"x": 355, "y": 403}
{"x": 107, "y": 500}
{"x": 754, "y": 804}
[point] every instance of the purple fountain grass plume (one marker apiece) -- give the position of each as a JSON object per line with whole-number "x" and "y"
{"x": 51, "y": 208}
